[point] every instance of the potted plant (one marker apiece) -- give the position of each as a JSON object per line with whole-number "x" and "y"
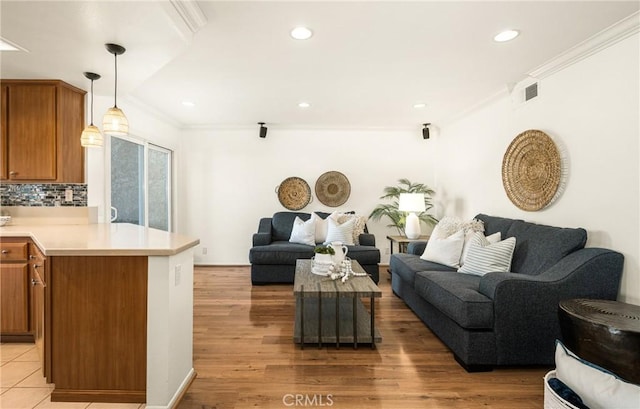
{"x": 397, "y": 217}
{"x": 324, "y": 254}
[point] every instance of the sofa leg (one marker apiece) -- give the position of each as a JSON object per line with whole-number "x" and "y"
{"x": 473, "y": 368}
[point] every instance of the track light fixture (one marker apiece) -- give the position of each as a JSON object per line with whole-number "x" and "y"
{"x": 114, "y": 121}
{"x": 91, "y": 136}
{"x": 263, "y": 130}
{"x": 425, "y": 131}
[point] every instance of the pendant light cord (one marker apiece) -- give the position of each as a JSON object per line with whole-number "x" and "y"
{"x": 115, "y": 92}
{"x": 91, "y": 102}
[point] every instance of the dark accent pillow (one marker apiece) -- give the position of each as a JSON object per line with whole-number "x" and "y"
{"x": 566, "y": 393}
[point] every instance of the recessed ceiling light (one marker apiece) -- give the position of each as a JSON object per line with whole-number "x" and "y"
{"x": 304, "y": 105}
{"x": 419, "y": 105}
{"x": 188, "y": 103}
{"x": 506, "y": 35}
{"x": 6, "y": 45}
{"x": 301, "y": 33}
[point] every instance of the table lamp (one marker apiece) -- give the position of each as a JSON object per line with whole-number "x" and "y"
{"x": 412, "y": 203}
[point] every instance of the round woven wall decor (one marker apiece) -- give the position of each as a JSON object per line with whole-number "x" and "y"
{"x": 294, "y": 193}
{"x": 333, "y": 188}
{"x": 531, "y": 170}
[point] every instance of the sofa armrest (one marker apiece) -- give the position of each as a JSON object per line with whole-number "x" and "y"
{"x": 416, "y": 247}
{"x": 525, "y": 307}
{"x": 367, "y": 239}
{"x": 263, "y": 236}
{"x": 586, "y": 273}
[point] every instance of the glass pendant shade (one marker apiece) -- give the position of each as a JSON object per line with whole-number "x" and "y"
{"x": 91, "y": 137}
{"x": 115, "y": 122}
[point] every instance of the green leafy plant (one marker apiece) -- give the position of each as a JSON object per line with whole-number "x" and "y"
{"x": 324, "y": 250}
{"x": 397, "y": 217}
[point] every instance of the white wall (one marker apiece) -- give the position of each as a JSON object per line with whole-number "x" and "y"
{"x": 591, "y": 110}
{"x": 142, "y": 125}
{"x": 229, "y": 178}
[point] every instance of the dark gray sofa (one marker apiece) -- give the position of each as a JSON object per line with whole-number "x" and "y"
{"x": 273, "y": 257}
{"x": 507, "y": 318}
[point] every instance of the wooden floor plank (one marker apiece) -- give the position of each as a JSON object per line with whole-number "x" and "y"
{"x": 245, "y": 357}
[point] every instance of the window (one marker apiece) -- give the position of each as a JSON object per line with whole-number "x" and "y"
{"x": 140, "y": 183}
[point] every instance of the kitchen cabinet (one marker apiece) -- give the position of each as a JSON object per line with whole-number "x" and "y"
{"x": 38, "y": 282}
{"x": 3, "y": 133}
{"x": 41, "y": 128}
{"x": 14, "y": 291}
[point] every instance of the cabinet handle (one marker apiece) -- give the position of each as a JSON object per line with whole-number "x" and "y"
{"x": 12, "y": 173}
{"x": 31, "y": 256}
{"x": 39, "y": 280}
{"x": 5, "y": 252}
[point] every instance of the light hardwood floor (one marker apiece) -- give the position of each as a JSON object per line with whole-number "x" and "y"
{"x": 245, "y": 357}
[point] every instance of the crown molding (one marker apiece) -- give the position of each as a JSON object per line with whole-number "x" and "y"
{"x": 191, "y": 14}
{"x": 605, "y": 38}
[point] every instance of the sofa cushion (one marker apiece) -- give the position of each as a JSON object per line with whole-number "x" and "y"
{"x": 364, "y": 254}
{"x": 457, "y": 296}
{"x": 539, "y": 247}
{"x": 406, "y": 266}
{"x": 282, "y": 224}
{"x": 493, "y": 224}
{"x": 280, "y": 252}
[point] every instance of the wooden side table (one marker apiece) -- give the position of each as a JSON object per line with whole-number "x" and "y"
{"x": 403, "y": 241}
{"x": 603, "y": 332}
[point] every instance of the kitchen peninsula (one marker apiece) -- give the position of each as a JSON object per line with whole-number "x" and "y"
{"x": 117, "y": 310}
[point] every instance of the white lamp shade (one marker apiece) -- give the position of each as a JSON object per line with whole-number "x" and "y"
{"x": 411, "y": 202}
{"x": 91, "y": 137}
{"x": 115, "y": 122}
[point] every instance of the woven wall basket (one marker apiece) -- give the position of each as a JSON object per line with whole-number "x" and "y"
{"x": 531, "y": 170}
{"x": 333, "y": 188}
{"x": 294, "y": 193}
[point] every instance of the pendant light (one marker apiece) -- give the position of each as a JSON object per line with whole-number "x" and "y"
{"x": 114, "y": 121}
{"x": 91, "y": 136}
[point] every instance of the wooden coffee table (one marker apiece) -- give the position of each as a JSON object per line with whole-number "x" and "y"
{"x": 329, "y": 311}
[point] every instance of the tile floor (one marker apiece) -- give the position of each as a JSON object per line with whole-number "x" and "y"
{"x": 22, "y": 385}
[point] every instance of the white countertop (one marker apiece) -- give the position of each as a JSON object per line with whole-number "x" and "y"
{"x": 102, "y": 239}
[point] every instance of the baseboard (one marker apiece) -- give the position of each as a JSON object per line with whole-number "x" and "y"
{"x": 180, "y": 392}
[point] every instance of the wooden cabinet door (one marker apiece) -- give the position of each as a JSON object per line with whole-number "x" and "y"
{"x": 4, "y": 173}
{"x": 37, "y": 284}
{"x": 31, "y": 132}
{"x": 14, "y": 298}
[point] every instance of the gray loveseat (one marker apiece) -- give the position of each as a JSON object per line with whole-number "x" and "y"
{"x": 273, "y": 257}
{"x": 507, "y": 318}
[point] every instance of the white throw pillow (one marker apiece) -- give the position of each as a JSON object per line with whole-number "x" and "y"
{"x": 493, "y": 238}
{"x": 358, "y": 224}
{"x": 339, "y": 232}
{"x": 445, "y": 250}
{"x": 321, "y": 228}
{"x": 484, "y": 257}
{"x": 597, "y": 387}
{"x": 303, "y": 232}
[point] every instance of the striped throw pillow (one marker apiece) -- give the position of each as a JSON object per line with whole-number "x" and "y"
{"x": 340, "y": 232}
{"x": 484, "y": 257}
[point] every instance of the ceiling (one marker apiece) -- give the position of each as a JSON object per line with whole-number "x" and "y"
{"x": 366, "y": 65}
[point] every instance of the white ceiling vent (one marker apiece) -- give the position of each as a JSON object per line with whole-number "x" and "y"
{"x": 525, "y": 91}
{"x": 531, "y": 92}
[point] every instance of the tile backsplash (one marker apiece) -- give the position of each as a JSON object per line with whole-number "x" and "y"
{"x": 42, "y": 194}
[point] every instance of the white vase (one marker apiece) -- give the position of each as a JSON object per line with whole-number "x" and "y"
{"x": 412, "y": 227}
{"x": 340, "y": 252}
